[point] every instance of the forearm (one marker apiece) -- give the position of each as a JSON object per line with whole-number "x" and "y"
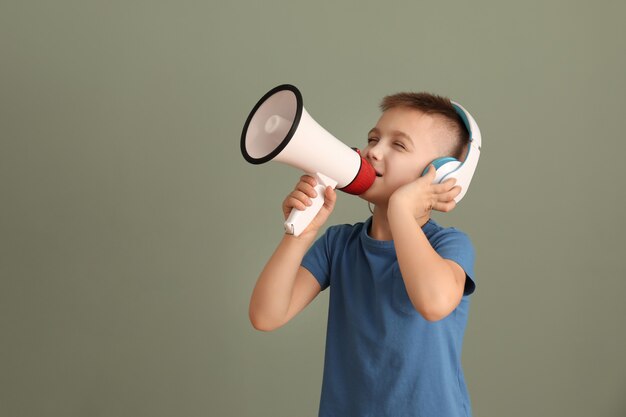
{"x": 272, "y": 293}
{"x": 428, "y": 278}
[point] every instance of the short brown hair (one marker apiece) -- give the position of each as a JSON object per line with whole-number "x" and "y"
{"x": 433, "y": 104}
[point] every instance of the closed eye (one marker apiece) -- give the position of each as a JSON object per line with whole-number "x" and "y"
{"x": 400, "y": 144}
{"x": 372, "y": 140}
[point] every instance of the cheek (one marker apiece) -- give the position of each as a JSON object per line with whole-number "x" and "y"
{"x": 406, "y": 171}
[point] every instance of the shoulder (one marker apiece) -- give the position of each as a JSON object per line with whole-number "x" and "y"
{"x": 344, "y": 232}
{"x": 452, "y": 243}
{"x": 336, "y": 238}
{"x": 330, "y": 250}
{"x": 439, "y": 235}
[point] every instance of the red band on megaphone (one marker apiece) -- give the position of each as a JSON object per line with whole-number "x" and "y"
{"x": 363, "y": 180}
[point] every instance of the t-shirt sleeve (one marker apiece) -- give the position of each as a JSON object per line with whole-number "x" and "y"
{"x": 455, "y": 245}
{"x": 317, "y": 260}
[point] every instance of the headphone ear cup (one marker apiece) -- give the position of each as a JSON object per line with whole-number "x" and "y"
{"x": 443, "y": 166}
{"x": 439, "y": 162}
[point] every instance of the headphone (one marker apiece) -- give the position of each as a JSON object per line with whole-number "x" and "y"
{"x": 449, "y": 167}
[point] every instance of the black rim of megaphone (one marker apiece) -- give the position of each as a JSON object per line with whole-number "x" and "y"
{"x": 294, "y": 125}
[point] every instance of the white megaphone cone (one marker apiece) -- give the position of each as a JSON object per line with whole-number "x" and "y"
{"x": 280, "y": 129}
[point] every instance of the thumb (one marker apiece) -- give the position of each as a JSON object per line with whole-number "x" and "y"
{"x": 431, "y": 171}
{"x": 330, "y": 197}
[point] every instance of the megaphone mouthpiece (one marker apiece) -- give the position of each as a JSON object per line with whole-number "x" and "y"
{"x": 363, "y": 180}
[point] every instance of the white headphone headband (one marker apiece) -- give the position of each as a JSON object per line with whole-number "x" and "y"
{"x": 465, "y": 171}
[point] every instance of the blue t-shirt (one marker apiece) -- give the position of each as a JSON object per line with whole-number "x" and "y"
{"x": 383, "y": 359}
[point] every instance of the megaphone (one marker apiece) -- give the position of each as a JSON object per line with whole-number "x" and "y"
{"x": 280, "y": 129}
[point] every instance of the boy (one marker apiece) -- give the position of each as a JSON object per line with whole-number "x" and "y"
{"x": 399, "y": 281}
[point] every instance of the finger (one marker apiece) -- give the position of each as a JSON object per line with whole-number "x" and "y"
{"x": 309, "y": 180}
{"x": 445, "y": 206}
{"x": 431, "y": 171}
{"x": 301, "y": 197}
{"x": 330, "y": 197}
{"x": 291, "y": 203}
{"x": 294, "y": 202}
{"x": 441, "y": 188}
{"x": 445, "y": 186}
{"x": 450, "y": 182}
{"x": 306, "y": 188}
{"x": 449, "y": 195}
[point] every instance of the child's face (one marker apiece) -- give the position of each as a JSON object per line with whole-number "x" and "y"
{"x": 400, "y": 147}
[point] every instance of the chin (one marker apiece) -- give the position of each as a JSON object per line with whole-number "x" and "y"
{"x": 365, "y": 197}
{"x": 375, "y": 198}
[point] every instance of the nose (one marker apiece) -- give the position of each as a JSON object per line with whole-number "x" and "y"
{"x": 373, "y": 152}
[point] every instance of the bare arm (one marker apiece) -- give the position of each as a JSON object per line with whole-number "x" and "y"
{"x": 281, "y": 280}
{"x": 434, "y": 284}
{"x": 284, "y": 288}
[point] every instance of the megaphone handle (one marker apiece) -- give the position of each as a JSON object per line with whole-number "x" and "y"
{"x": 298, "y": 220}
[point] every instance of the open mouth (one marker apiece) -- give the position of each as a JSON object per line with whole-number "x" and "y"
{"x": 378, "y": 174}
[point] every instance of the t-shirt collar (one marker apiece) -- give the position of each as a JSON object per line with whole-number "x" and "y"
{"x": 428, "y": 228}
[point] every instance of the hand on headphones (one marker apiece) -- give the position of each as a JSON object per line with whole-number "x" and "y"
{"x": 421, "y": 196}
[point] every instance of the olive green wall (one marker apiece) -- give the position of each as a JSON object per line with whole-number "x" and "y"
{"x": 132, "y": 230}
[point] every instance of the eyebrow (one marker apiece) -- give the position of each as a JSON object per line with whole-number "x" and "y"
{"x": 394, "y": 133}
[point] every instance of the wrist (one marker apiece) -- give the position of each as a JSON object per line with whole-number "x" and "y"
{"x": 400, "y": 214}
{"x": 306, "y": 237}
{"x": 397, "y": 206}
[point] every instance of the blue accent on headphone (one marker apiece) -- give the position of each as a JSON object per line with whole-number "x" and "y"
{"x": 463, "y": 117}
{"x": 438, "y": 163}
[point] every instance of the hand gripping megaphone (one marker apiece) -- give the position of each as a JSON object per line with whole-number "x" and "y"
{"x": 279, "y": 129}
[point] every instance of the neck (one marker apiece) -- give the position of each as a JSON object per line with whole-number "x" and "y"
{"x": 380, "y": 229}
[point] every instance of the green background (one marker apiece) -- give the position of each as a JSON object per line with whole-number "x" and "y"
{"x": 132, "y": 230}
